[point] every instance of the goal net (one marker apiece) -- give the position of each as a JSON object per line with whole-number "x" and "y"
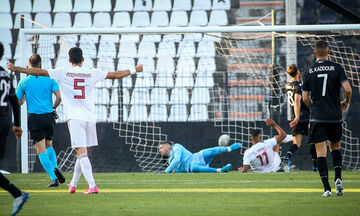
{"x": 230, "y": 76}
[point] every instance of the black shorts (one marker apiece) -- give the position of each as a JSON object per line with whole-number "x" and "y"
{"x": 4, "y": 131}
{"x": 41, "y": 126}
{"x": 301, "y": 128}
{"x": 320, "y": 132}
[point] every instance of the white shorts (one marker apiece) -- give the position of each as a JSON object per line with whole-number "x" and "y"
{"x": 82, "y": 133}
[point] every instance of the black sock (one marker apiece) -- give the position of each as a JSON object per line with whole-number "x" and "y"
{"x": 337, "y": 160}
{"x": 291, "y": 151}
{"x": 313, "y": 155}
{"x": 10, "y": 187}
{"x": 324, "y": 173}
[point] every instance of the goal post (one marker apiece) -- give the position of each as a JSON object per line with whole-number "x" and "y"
{"x": 238, "y": 49}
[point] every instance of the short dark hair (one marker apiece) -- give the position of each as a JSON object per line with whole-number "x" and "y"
{"x": 292, "y": 70}
{"x": 255, "y": 133}
{"x": 1, "y": 50}
{"x": 75, "y": 55}
{"x": 166, "y": 142}
{"x": 35, "y": 60}
{"x": 321, "y": 48}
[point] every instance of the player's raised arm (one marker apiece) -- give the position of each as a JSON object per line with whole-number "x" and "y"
{"x": 348, "y": 92}
{"x": 124, "y": 73}
{"x": 282, "y": 135}
{"x": 31, "y": 71}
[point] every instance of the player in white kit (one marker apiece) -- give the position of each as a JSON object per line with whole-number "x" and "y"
{"x": 263, "y": 156}
{"x": 77, "y": 87}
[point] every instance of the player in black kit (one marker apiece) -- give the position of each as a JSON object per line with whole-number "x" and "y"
{"x": 299, "y": 116}
{"x": 321, "y": 92}
{"x": 7, "y": 94}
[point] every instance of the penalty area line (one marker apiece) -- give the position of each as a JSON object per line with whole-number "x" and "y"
{"x": 202, "y": 190}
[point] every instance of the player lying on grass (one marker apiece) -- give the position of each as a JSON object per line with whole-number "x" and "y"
{"x": 182, "y": 160}
{"x": 263, "y": 156}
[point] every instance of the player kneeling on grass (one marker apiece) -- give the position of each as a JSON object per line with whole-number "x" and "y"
{"x": 182, "y": 160}
{"x": 263, "y": 156}
{"x": 77, "y": 86}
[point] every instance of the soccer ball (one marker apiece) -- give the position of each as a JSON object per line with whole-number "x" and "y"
{"x": 224, "y": 140}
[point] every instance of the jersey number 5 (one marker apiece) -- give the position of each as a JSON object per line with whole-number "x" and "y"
{"x": 261, "y": 158}
{"x": 325, "y": 76}
{"x": 81, "y": 88}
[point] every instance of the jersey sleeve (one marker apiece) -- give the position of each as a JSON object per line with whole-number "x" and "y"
{"x": 55, "y": 86}
{"x": 20, "y": 91}
{"x": 342, "y": 74}
{"x": 271, "y": 142}
{"x": 247, "y": 159}
{"x": 99, "y": 75}
{"x": 298, "y": 90}
{"x": 174, "y": 162}
{"x": 56, "y": 74}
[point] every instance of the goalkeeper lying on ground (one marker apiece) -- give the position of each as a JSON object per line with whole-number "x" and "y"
{"x": 182, "y": 160}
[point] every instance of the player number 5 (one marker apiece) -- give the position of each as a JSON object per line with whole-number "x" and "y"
{"x": 81, "y": 88}
{"x": 324, "y": 83}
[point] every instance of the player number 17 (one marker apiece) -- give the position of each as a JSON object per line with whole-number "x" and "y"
{"x": 325, "y": 76}
{"x": 261, "y": 158}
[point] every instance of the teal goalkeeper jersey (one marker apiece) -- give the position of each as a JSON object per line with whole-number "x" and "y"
{"x": 180, "y": 159}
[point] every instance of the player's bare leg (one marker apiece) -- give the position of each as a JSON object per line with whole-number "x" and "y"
{"x": 337, "y": 161}
{"x": 86, "y": 169}
{"x": 321, "y": 151}
{"x": 46, "y": 163}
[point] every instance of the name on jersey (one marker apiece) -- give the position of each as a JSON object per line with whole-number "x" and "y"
{"x": 82, "y": 75}
{"x": 322, "y": 68}
{"x": 289, "y": 87}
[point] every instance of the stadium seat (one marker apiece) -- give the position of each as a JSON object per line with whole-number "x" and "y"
{"x": 195, "y": 37}
{"x": 114, "y": 114}
{"x": 206, "y": 65}
{"x": 6, "y": 20}
{"x": 164, "y": 80}
{"x": 5, "y": 6}
{"x": 46, "y": 63}
{"x": 125, "y": 96}
{"x": 123, "y": 5}
{"x": 186, "y": 49}
{"x": 146, "y": 49}
{"x": 63, "y": 6}
{"x": 62, "y": 20}
{"x": 44, "y": 40}
{"x": 178, "y": 113}
{"x": 27, "y": 24}
{"x": 102, "y": 20}
{"x": 86, "y": 38}
{"x": 182, "y": 5}
{"x": 172, "y": 37}
{"x": 114, "y": 96}
{"x": 159, "y": 96}
{"x": 162, "y": 5}
{"x": 144, "y": 80}
{"x": 148, "y": 64}
{"x": 63, "y": 62}
{"x": 218, "y": 18}
{"x": 206, "y": 49}
{"x": 159, "y": 18}
{"x": 7, "y": 51}
{"x": 184, "y": 81}
{"x": 165, "y": 65}
{"x": 110, "y": 38}
{"x": 138, "y": 113}
{"x": 101, "y": 5}
{"x": 44, "y": 19}
{"x": 102, "y": 96}
{"x": 127, "y": 82}
{"x": 166, "y": 49}
{"x": 70, "y": 40}
{"x": 5, "y": 35}
{"x": 29, "y": 50}
{"x": 88, "y": 63}
{"x": 41, "y": 6}
{"x": 151, "y": 38}
{"x": 82, "y": 6}
{"x": 140, "y": 97}
{"x": 106, "y": 64}
{"x": 221, "y": 5}
{"x": 202, "y": 5}
{"x": 127, "y": 49}
{"x": 185, "y": 66}
{"x": 121, "y": 19}
{"x": 158, "y": 113}
{"x": 204, "y": 81}
{"x": 198, "y": 113}
{"x": 134, "y": 38}
{"x": 22, "y": 6}
{"x": 45, "y": 50}
{"x": 198, "y": 18}
{"x": 179, "y": 96}
{"x": 178, "y": 18}
{"x": 200, "y": 96}
{"x": 89, "y": 49}
{"x": 101, "y": 113}
{"x": 143, "y": 5}
{"x": 212, "y": 37}
{"x": 107, "y": 83}
{"x": 82, "y": 20}
{"x": 140, "y": 19}
{"x": 125, "y": 63}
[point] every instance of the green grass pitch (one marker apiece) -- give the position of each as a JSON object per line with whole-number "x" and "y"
{"x": 295, "y": 193}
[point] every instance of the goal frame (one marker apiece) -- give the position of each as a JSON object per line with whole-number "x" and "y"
{"x": 154, "y": 30}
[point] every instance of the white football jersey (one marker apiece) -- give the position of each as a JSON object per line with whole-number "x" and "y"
{"x": 262, "y": 158}
{"x": 77, "y": 88}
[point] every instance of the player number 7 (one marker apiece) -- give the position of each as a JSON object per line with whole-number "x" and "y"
{"x": 324, "y": 83}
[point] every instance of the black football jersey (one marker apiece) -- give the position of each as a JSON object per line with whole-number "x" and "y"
{"x": 6, "y": 89}
{"x": 323, "y": 80}
{"x": 293, "y": 88}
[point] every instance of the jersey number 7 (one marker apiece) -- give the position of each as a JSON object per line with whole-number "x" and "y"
{"x": 81, "y": 88}
{"x": 325, "y": 76}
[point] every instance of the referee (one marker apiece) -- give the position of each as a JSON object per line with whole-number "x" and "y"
{"x": 7, "y": 94}
{"x": 37, "y": 90}
{"x": 323, "y": 81}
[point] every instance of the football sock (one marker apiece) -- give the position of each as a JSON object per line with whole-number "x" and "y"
{"x": 52, "y": 156}
{"x": 234, "y": 147}
{"x": 87, "y": 170}
{"x": 8, "y": 186}
{"x": 226, "y": 168}
{"x": 313, "y": 155}
{"x": 77, "y": 173}
{"x": 45, "y": 162}
{"x": 337, "y": 161}
{"x": 324, "y": 173}
{"x": 291, "y": 151}
{"x": 196, "y": 169}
